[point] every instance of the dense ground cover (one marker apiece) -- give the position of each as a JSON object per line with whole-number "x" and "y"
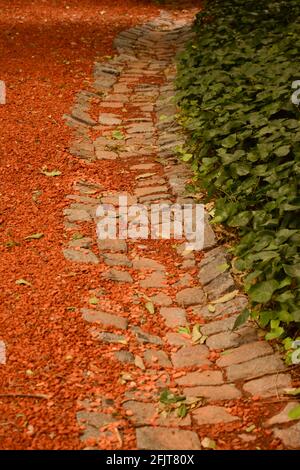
{"x": 235, "y": 86}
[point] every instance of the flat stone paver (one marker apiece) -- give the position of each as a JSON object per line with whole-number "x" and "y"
{"x": 107, "y": 319}
{"x": 173, "y": 316}
{"x": 160, "y": 438}
{"x": 214, "y": 392}
{"x": 254, "y": 367}
{"x": 245, "y": 353}
{"x": 154, "y": 280}
{"x": 207, "y": 377}
{"x": 117, "y": 276}
{"x": 213, "y": 415}
{"x": 290, "y": 436}
{"x": 283, "y": 416}
{"x": 191, "y": 356}
{"x": 162, "y": 299}
{"x": 190, "y": 296}
{"x": 2, "y": 352}
{"x": 268, "y": 386}
{"x": 84, "y": 256}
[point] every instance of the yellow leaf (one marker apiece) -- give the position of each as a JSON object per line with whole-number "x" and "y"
{"x": 226, "y": 297}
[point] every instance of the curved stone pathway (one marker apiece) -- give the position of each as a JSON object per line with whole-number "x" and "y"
{"x": 203, "y": 378}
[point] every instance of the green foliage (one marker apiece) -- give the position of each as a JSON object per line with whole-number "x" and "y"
{"x": 234, "y": 88}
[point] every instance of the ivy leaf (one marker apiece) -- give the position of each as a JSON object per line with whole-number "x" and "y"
{"x": 263, "y": 291}
{"x": 230, "y": 141}
{"x": 292, "y": 270}
{"x": 182, "y": 411}
{"x": 240, "y": 220}
{"x": 241, "y": 319}
{"x": 274, "y": 333}
{"x": 282, "y": 151}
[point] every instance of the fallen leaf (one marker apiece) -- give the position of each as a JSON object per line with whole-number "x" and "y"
{"x": 138, "y": 361}
{"x": 34, "y": 236}
{"x": 182, "y": 410}
{"x": 294, "y": 413}
{"x": 22, "y": 282}
{"x": 196, "y": 334}
{"x": 51, "y": 173}
{"x": 125, "y": 376}
{"x": 250, "y": 428}
{"x": 93, "y": 301}
{"x": 241, "y": 319}
{"x": 118, "y": 135}
{"x": 145, "y": 175}
{"x": 222, "y": 267}
{"x": 226, "y": 297}
{"x": 184, "y": 330}
{"x": 208, "y": 443}
{"x": 292, "y": 391}
{"x": 150, "y": 307}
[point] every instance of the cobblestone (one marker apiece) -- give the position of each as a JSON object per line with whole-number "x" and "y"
{"x": 191, "y": 356}
{"x": 117, "y": 276}
{"x": 214, "y": 392}
{"x": 268, "y": 386}
{"x": 245, "y": 353}
{"x": 147, "y": 414}
{"x": 207, "y": 377}
{"x": 107, "y": 319}
{"x": 290, "y": 436}
{"x": 260, "y": 365}
{"x": 190, "y": 296}
{"x": 160, "y": 438}
{"x": 173, "y": 316}
{"x": 212, "y": 414}
{"x": 153, "y": 357}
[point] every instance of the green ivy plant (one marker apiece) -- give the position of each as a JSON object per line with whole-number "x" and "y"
{"x": 234, "y": 89}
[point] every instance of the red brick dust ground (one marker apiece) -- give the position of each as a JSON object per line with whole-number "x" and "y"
{"x": 47, "y": 52}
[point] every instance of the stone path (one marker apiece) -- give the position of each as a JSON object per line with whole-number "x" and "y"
{"x": 176, "y": 341}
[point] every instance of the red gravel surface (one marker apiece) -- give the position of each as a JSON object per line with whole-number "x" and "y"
{"x": 47, "y": 51}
